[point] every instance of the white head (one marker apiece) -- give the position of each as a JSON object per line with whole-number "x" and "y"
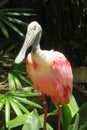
{"x": 33, "y": 30}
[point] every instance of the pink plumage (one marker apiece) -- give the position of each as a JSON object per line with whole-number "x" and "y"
{"x": 50, "y": 71}
{"x": 51, "y": 74}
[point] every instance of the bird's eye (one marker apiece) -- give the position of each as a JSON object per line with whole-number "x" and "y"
{"x": 34, "y": 28}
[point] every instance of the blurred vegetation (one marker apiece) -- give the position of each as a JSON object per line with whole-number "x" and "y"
{"x": 64, "y": 29}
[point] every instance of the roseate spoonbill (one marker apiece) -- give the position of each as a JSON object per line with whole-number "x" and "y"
{"x": 50, "y": 71}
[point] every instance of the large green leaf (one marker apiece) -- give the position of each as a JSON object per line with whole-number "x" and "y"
{"x": 75, "y": 125}
{"x": 66, "y": 117}
{"x": 69, "y": 111}
{"x": 32, "y": 122}
{"x": 18, "y": 121}
{"x": 73, "y": 106}
{"x": 80, "y": 120}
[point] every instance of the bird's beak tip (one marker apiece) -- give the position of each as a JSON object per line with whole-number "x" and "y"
{"x": 16, "y": 62}
{"x": 19, "y": 59}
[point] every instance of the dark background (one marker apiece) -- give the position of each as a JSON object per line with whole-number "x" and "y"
{"x": 64, "y": 26}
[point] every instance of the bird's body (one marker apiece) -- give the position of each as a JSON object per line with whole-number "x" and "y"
{"x": 51, "y": 74}
{"x": 50, "y": 71}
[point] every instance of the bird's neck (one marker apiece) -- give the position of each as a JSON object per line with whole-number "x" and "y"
{"x": 36, "y": 45}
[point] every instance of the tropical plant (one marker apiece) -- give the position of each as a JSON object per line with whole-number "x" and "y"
{"x": 9, "y": 17}
{"x": 64, "y": 23}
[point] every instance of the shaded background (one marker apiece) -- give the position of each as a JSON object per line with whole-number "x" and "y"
{"x": 64, "y": 26}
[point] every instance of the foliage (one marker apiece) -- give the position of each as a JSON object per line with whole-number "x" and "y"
{"x": 80, "y": 119}
{"x": 17, "y": 96}
{"x": 7, "y": 16}
{"x": 10, "y": 18}
{"x": 65, "y": 24}
{"x": 33, "y": 117}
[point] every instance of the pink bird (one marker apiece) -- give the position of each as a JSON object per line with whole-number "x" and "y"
{"x": 50, "y": 71}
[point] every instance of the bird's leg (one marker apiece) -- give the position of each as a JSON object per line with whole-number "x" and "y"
{"x": 59, "y": 116}
{"x": 45, "y": 107}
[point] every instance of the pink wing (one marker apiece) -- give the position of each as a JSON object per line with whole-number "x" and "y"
{"x": 62, "y": 70}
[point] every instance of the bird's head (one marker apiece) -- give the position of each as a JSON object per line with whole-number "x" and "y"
{"x": 33, "y": 30}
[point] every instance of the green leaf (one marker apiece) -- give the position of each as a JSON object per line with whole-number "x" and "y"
{"x": 4, "y": 30}
{"x": 11, "y": 82}
{"x": 33, "y": 94}
{"x": 54, "y": 112}
{"x": 18, "y": 121}
{"x": 32, "y": 122}
{"x": 12, "y": 27}
{"x": 24, "y": 109}
{"x": 2, "y": 102}
{"x": 47, "y": 125}
{"x": 81, "y": 119}
{"x": 18, "y": 12}
{"x": 75, "y": 125}
{"x": 2, "y": 96}
{"x": 7, "y": 109}
{"x": 25, "y": 79}
{"x": 66, "y": 117}
{"x": 17, "y": 82}
{"x": 15, "y": 107}
{"x": 26, "y": 101}
{"x": 73, "y": 106}
{"x": 21, "y": 71}
{"x": 17, "y": 21}
{"x": 84, "y": 126}
{"x": 26, "y": 92}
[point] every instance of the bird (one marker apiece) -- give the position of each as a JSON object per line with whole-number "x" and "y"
{"x": 49, "y": 70}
